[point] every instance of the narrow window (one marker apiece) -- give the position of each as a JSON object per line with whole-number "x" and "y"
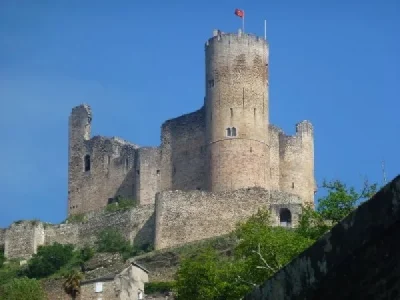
{"x": 211, "y": 83}
{"x": 158, "y": 172}
{"x": 138, "y": 172}
{"x": 255, "y": 109}
{"x": 285, "y": 217}
{"x": 108, "y": 160}
{"x": 231, "y": 112}
{"x": 126, "y": 164}
{"x": 87, "y": 163}
{"x": 228, "y": 132}
{"x": 292, "y": 185}
{"x": 233, "y": 131}
{"x": 251, "y": 149}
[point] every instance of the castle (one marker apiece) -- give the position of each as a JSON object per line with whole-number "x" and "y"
{"x": 214, "y": 167}
{"x": 226, "y": 145}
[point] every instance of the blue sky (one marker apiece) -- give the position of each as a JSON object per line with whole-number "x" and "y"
{"x": 138, "y": 63}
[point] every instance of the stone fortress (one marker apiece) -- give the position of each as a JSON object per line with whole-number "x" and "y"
{"x": 215, "y": 166}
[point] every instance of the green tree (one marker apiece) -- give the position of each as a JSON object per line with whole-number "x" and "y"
{"x": 72, "y": 284}
{"x": 49, "y": 259}
{"x": 2, "y": 257}
{"x": 22, "y": 289}
{"x": 311, "y": 224}
{"x": 261, "y": 251}
{"x": 111, "y": 240}
{"x": 342, "y": 200}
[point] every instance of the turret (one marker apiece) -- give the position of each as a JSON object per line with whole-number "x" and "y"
{"x": 237, "y": 111}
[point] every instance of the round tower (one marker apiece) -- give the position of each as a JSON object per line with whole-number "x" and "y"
{"x": 237, "y": 111}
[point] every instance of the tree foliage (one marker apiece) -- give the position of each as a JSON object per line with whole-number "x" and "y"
{"x": 22, "y": 289}
{"x": 342, "y": 200}
{"x": 261, "y": 251}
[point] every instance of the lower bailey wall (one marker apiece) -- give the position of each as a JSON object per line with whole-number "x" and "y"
{"x": 183, "y": 217}
{"x": 359, "y": 258}
{"x": 22, "y": 238}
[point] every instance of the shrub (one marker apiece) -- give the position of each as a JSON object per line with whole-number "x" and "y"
{"x": 158, "y": 287}
{"x": 22, "y": 289}
{"x": 120, "y": 204}
{"x": 112, "y": 241}
{"x": 78, "y": 218}
{"x": 49, "y": 259}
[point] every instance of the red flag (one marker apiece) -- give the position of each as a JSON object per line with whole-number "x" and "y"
{"x": 239, "y": 12}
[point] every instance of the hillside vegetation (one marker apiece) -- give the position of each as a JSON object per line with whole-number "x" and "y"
{"x": 225, "y": 267}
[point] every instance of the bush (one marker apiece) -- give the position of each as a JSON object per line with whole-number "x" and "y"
{"x": 158, "y": 287}
{"x": 120, "y": 204}
{"x": 49, "y": 259}
{"x": 79, "y": 218}
{"x": 2, "y": 257}
{"x": 112, "y": 241}
{"x": 22, "y": 289}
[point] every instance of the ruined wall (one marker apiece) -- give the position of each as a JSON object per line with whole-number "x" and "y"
{"x": 358, "y": 259}
{"x": 111, "y": 160}
{"x": 62, "y": 233}
{"x": 137, "y": 225}
{"x": 2, "y": 237}
{"x": 23, "y": 238}
{"x": 183, "y": 153}
{"x": 183, "y": 217}
{"x": 237, "y": 111}
{"x": 297, "y": 162}
{"x": 148, "y": 174}
{"x": 274, "y": 171}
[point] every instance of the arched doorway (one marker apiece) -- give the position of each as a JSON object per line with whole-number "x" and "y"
{"x": 285, "y": 217}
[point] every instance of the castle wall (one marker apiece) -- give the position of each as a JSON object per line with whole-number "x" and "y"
{"x": 23, "y": 238}
{"x": 111, "y": 173}
{"x": 237, "y": 111}
{"x": 183, "y": 217}
{"x": 148, "y": 174}
{"x": 297, "y": 162}
{"x": 137, "y": 225}
{"x": 183, "y": 153}
{"x": 62, "y": 234}
{"x": 2, "y": 237}
{"x": 274, "y": 171}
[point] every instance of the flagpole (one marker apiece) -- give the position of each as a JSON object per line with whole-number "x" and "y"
{"x": 243, "y": 22}
{"x": 265, "y": 29}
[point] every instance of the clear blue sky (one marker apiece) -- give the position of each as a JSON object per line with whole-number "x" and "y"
{"x": 138, "y": 63}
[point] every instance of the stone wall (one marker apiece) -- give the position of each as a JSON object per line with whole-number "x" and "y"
{"x": 148, "y": 174}
{"x": 358, "y": 259}
{"x": 183, "y": 153}
{"x": 100, "y": 168}
{"x": 23, "y": 238}
{"x": 183, "y": 217}
{"x": 137, "y": 225}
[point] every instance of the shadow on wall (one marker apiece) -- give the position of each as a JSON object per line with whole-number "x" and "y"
{"x": 127, "y": 187}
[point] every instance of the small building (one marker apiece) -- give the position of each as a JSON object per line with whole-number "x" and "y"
{"x": 126, "y": 285}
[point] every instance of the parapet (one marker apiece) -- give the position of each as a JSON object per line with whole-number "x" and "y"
{"x": 239, "y": 37}
{"x": 82, "y": 107}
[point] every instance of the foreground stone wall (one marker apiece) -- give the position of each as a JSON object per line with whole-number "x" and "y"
{"x": 358, "y": 259}
{"x": 183, "y": 217}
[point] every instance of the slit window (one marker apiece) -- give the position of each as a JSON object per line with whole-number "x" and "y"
{"x": 233, "y": 131}
{"x": 158, "y": 172}
{"x": 292, "y": 185}
{"x": 231, "y": 112}
{"x": 87, "y": 162}
{"x": 211, "y": 83}
{"x": 126, "y": 164}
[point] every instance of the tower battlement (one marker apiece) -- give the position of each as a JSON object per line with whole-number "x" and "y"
{"x": 239, "y": 37}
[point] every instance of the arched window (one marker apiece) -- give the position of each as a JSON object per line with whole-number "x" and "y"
{"x": 233, "y": 131}
{"x": 228, "y": 132}
{"x": 285, "y": 217}
{"x": 87, "y": 162}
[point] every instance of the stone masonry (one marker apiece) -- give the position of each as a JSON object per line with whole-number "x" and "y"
{"x": 214, "y": 167}
{"x": 226, "y": 145}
